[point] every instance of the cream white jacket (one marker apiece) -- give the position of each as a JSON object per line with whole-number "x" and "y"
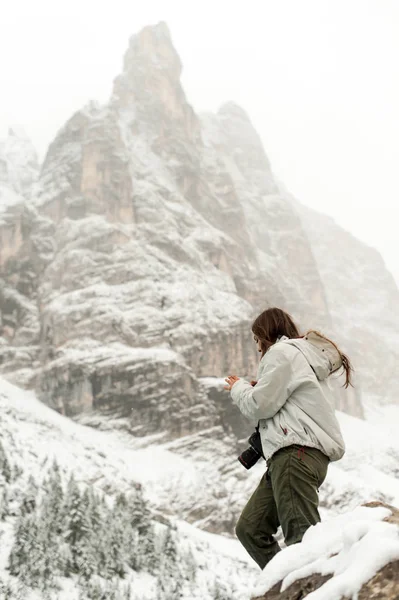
{"x": 292, "y": 400}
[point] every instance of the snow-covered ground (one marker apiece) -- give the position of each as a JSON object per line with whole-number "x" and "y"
{"x": 351, "y": 547}
{"x": 33, "y": 435}
{"x": 369, "y": 469}
{"x": 179, "y": 483}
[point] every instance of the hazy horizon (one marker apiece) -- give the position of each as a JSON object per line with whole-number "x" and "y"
{"x": 319, "y": 82}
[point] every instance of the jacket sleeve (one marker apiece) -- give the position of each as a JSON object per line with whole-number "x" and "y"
{"x": 270, "y": 393}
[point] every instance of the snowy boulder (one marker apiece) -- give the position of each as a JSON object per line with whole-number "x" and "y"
{"x": 353, "y": 555}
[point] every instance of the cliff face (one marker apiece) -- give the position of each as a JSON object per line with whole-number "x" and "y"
{"x": 19, "y": 314}
{"x": 363, "y": 301}
{"x": 150, "y": 240}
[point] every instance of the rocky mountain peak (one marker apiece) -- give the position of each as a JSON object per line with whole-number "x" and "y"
{"x": 233, "y": 110}
{"x": 19, "y": 165}
{"x": 159, "y": 234}
{"x": 151, "y": 71}
{"x": 242, "y": 135}
{"x": 152, "y": 48}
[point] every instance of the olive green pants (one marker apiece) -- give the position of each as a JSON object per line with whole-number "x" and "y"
{"x": 287, "y": 495}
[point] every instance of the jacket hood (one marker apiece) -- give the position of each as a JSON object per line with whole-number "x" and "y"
{"x": 322, "y": 354}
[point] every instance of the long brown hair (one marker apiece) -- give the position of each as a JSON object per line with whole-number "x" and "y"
{"x": 274, "y": 322}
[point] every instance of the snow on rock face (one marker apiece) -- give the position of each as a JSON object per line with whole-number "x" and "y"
{"x": 152, "y": 239}
{"x": 363, "y": 300}
{"x": 19, "y": 169}
{"x": 19, "y": 314}
{"x": 152, "y": 226}
{"x": 19, "y": 166}
{"x": 353, "y": 555}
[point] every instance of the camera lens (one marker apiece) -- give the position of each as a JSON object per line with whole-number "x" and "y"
{"x": 249, "y": 457}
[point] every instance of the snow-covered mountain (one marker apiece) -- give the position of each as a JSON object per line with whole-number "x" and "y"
{"x": 150, "y": 240}
{"x": 19, "y": 166}
{"x": 19, "y": 170}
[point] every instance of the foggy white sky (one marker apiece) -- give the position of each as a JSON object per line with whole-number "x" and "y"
{"x": 319, "y": 79}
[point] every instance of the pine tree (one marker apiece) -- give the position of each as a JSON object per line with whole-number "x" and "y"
{"x": 4, "y": 504}
{"x": 116, "y": 546}
{"x": 121, "y": 502}
{"x": 18, "y": 557}
{"x": 27, "y": 556}
{"x": 5, "y": 467}
{"x": 142, "y": 553}
{"x": 86, "y": 550}
{"x": 74, "y": 513}
{"x": 37, "y": 567}
{"x": 85, "y": 559}
{"x": 55, "y": 497}
{"x": 137, "y": 509}
{"x": 169, "y": 550}
{"x": 147, "y": 552}
{"x": 169, "y": 570}
{"x": 98, "y": 526}
{"x": 47, "y": 560}
{"x": 113, "y": 589}
{"x": 78, "y": 530}
{"x": 29, "y": 500}
{"x": 133, "y": 550}
{"x": 18, "y": 471}
{"x": 53, "y": 559}
{"x": 96, "y": 510}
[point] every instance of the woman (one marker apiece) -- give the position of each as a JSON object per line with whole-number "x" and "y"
{"x": 292, "y": 403}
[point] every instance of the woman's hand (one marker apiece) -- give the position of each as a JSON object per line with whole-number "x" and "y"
{"x": 231, "y": 380}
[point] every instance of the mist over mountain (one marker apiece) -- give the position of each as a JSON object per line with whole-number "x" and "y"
{"x": 132, "y": 262}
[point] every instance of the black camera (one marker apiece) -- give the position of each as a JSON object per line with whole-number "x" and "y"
{"x": 251, "y": 455}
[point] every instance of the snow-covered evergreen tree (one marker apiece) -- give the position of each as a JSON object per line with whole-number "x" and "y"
{"x": 55, "y": 498}
{"x": 97, "y": 589}
{"x": 18, "y": 558}
{"x": 79, "y": 532}
{"x": 171, "y": 579}
{"x": 66, "y": 531}
{"x": 116, "y": 542}
{"x": 4, "y": 503}
{"x": 137, "y": 508}
{"x": 5, "y": 466}
{"x": 146, "y": 554}
{"x": 29, "y": 500}
{"x": 99, "y": 530}
{"x": 169, "y": 550}
{"x": 27, "y": 558}
{"x": 137, "y": 525}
